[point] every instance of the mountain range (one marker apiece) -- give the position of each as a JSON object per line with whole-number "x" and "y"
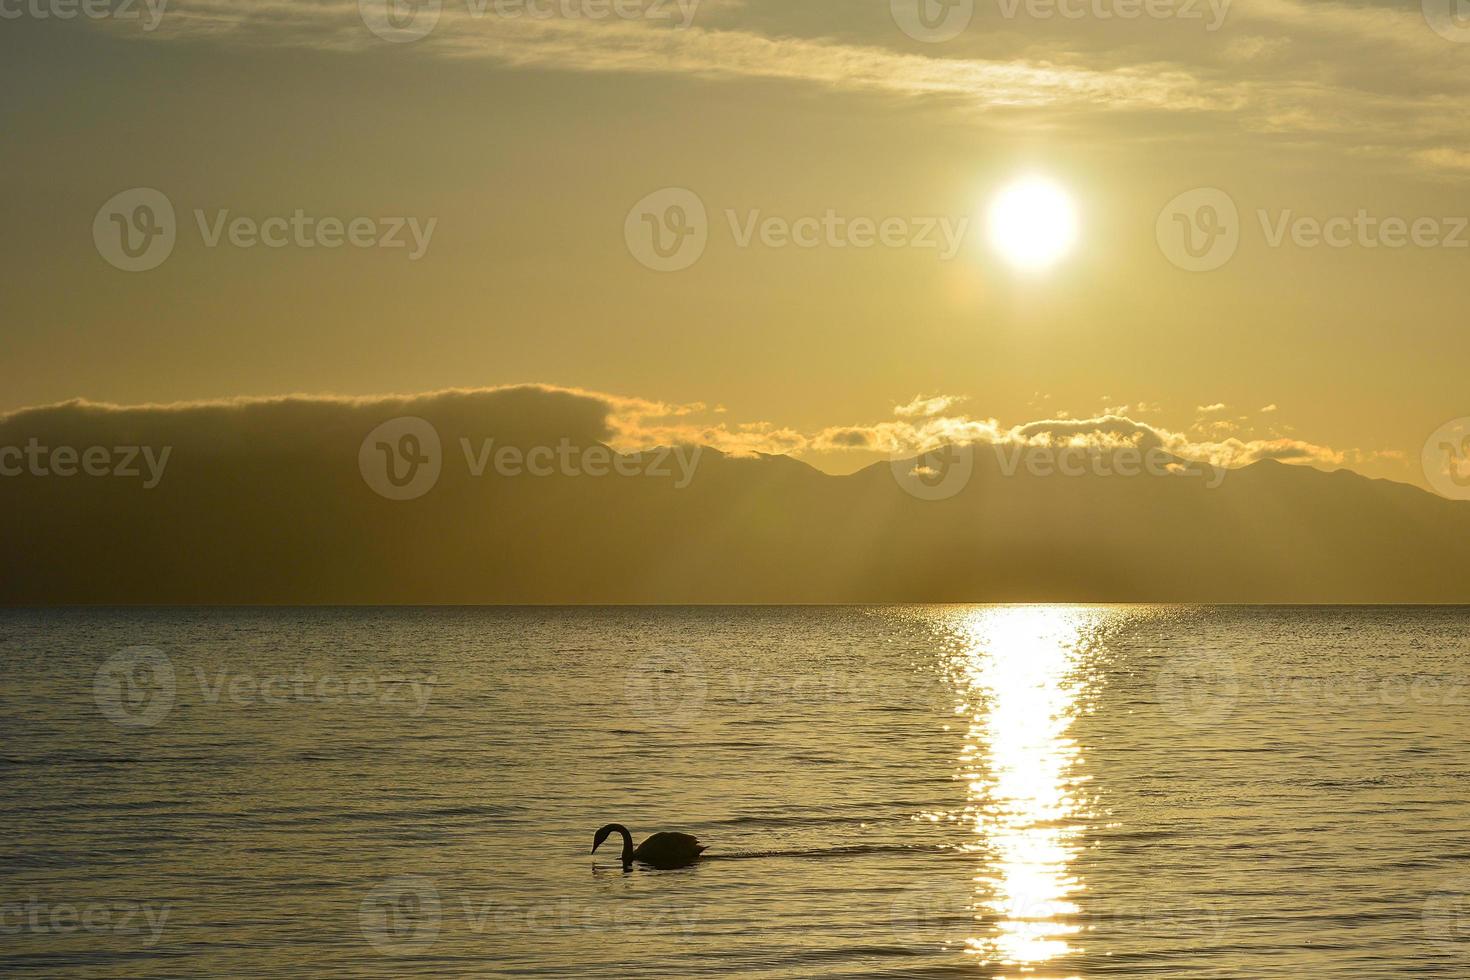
{"x": 281, "y": 502}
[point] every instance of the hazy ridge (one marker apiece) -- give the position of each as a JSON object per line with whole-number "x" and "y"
{"x": 265, "y": 503}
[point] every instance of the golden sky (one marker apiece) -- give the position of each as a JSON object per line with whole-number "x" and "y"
{"x": 519, "y": 148}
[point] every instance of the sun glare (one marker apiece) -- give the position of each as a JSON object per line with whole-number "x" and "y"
{"x": 1018, "y": 673}
{"x": 1032, "y": 223}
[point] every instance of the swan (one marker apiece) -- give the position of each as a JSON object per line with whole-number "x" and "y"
{"x": 663, "y": 850}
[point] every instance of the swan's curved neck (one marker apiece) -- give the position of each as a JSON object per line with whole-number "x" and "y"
{"x": 627, "y": 843}
{"x": 616, "y": 828}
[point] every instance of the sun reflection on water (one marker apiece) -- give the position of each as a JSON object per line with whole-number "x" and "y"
{"x": 1020, "y": 673}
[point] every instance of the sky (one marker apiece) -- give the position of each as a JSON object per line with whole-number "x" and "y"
{"x": 499, "y": 168}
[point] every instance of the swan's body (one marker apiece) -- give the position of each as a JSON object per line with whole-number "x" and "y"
{"x": 663, "y": 850}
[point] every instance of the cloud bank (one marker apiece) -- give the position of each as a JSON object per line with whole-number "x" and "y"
{"x": 546, "y": 414}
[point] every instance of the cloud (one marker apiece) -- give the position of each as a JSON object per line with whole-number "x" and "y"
{"x": 1444, "y": 158}
{"x": 1255, "y": 47}
{"x": 923, "y": 407}
{"x": 638, "y": 424}
{"x": 921, "y": 426}
{"x": 1104, "y": 433}
{"x": 1207, "y": 409}
{"x": 854, "y": 438}
{"x": 1112, "y": 432}
{"x": 1218, "y": 427}
{"x": 544, "y": 414}
{"x": 651, "y": 46}
{"x": 294, "y": 424}
{"x": 1235, "y": 452}
{"x": 1408, "y": 101}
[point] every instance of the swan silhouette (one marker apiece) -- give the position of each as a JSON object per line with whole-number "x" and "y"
{"x": 662, "y": 850}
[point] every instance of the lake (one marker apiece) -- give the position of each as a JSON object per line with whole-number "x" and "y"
{"x": 1047, "y": 792}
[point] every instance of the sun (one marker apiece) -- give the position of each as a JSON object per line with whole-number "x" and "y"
{"x": 1032, "y": 223}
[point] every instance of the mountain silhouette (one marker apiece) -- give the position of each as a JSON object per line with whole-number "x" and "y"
{"x": 267, "y": 502}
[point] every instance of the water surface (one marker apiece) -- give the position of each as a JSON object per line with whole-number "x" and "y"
{"x": 1033, "y": 791}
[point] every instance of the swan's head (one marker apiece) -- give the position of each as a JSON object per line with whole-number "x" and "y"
{"x": 603, "y": 835}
